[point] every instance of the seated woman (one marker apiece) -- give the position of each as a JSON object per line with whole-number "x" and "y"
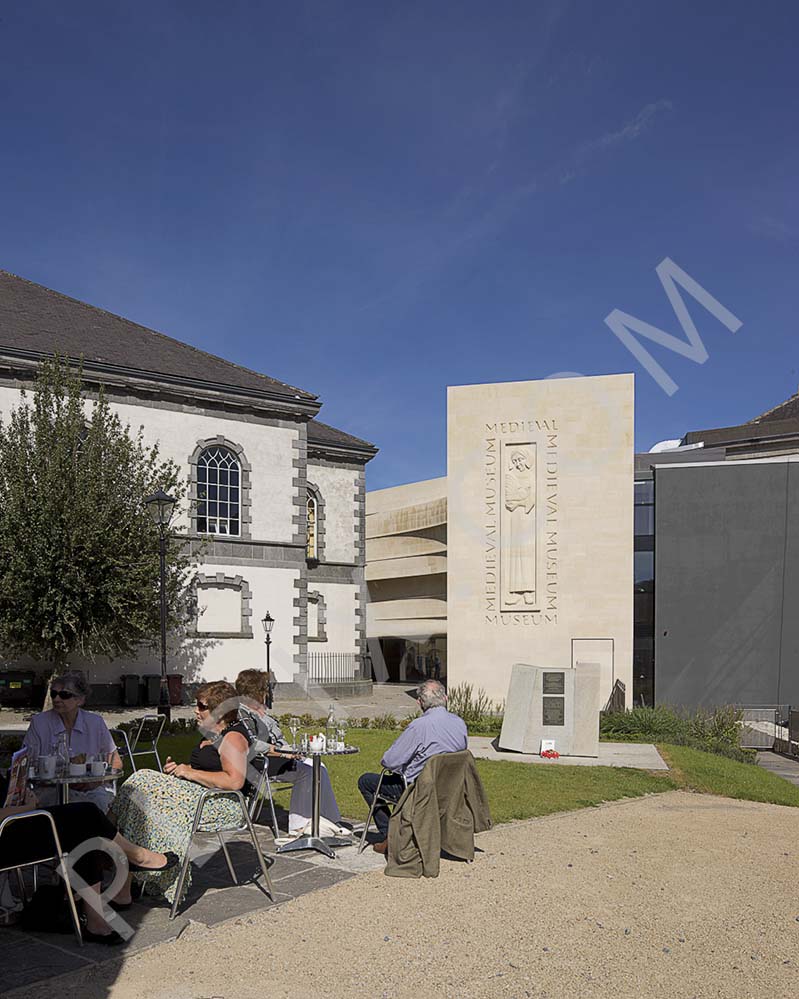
{"x": 265, "y": 735}
{"x": 85, "y": 732}
{"x": 157, "y": 809}
{"x": 23, "y": 842}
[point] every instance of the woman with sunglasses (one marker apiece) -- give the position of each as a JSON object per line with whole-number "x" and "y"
{"x": 157, "y": 809}
{"x": 86, "y": 735}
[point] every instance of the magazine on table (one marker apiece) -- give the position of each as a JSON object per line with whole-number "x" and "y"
{"x": 17, "y": 778}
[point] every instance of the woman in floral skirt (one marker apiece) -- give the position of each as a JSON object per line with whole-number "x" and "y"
{"x": 157, "y": 809}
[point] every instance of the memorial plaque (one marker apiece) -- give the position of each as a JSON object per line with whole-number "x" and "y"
{"x": 553, "y": 710}
{"x": 554, "y": 683}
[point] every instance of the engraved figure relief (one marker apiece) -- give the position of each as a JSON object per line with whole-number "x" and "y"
{"x": 518, "y": 549}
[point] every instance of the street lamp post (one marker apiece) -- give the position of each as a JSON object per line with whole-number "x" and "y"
{"x": 268, "y": 623}
{"x": 161, "y": 506}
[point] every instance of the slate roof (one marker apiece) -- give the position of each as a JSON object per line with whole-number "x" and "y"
{"x": 36, "y": 319}
{"x": 784, "y": 411}
{"x": 322, "y": 434}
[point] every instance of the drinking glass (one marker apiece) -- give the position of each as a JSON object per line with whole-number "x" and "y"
{"x": 305, "y": 743}
{"x": 294, "y": 727}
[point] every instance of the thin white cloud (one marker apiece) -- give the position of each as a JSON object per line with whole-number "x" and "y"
{"x": 628, "y": 132}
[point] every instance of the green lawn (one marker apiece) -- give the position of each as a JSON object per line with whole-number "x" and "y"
{"x": 521, "y": 790}
{"x": 711, "y": 774}
{"x": 515, "y": 790}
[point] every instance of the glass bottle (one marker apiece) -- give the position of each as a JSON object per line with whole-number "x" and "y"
{"x": 61, "y": 753}
{"x": 330, "y": 729}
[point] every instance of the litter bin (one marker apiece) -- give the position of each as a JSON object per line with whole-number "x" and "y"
{"x": 16, "y": 688}
{"x": 131, "y": 695}
{"x": 152, "y": 689}
{"x": 175, "y": 684}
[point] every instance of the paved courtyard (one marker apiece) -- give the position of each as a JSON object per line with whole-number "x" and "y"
{"x": 675, "y": 896}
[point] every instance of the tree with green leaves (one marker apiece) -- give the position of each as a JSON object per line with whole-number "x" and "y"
{"x": 79, "y": 564}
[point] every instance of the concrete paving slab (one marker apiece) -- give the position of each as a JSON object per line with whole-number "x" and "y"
{"x": 786, "y": 767}
{"x": 26, "y": 959}
{"x": 636, "y": 755}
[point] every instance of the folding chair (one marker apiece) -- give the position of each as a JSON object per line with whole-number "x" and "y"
{"x": 246, "y": 823}
{"x": 379, "y": 799}
{"x": 59, "y": 856}
{"x": 149, "y": 730}
{"x": 263, "y": 791}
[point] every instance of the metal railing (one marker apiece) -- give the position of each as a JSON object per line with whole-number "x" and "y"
{"x": 333, "y": 667}
{"x": 763, "y": 726}
{"x": 793, "y": 732}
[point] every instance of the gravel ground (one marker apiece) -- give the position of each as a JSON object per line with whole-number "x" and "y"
{"x": 674, "y": 895}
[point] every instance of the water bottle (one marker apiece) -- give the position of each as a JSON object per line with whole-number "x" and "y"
{"x": 330, "y": 729}
{"x": 61, "y": 753}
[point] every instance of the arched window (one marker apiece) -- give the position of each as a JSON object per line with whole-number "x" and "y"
{"x": 311, "y": 548}
{"x": 218, "y": 492}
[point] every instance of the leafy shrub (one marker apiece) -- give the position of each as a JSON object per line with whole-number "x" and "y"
{"x": 384, "y": 721}
{"x": 713, "y": 731}
{"x": 477, "y": 710}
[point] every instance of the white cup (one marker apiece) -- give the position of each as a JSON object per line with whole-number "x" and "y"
{"x": 77, "y": 770}
{"x": 97, "y": 768}
{"x": 47, "y": 766}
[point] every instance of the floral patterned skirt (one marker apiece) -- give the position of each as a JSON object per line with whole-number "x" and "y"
{"x": 157, "y": 811}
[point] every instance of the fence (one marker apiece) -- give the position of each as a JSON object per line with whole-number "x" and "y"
{"x": 793, "y": 732}
{"x": 333, "y": 667}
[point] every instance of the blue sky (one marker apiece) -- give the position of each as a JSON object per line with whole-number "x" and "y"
{"x": 375, "y": 200}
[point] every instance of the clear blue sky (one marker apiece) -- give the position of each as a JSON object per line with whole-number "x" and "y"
{"x": 375, "y": 200}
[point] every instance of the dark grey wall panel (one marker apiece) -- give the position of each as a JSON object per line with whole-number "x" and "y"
{"x": 789, "y": 660}
{"x": 721, "y": 635}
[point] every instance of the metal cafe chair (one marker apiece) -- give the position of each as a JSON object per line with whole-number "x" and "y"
{"x": 263, "y": 792}
{"x": 58, "y": 855}
{"x": 244, "y": 824}
{"x": 149, "y": 730}
{"x": 379, "y": 799}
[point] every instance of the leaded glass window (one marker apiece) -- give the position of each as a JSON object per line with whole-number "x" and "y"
{"x": 310, "y": 538}
{"x": 218, "y": 492}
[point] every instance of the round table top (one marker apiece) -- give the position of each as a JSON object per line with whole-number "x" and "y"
{"x": 346, "y": 751}
{"x": 78, "y": 779}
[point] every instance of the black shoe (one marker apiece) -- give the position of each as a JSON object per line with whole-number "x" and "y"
{"x": 172, "y": 860}
{"x": 121, "y": 906}
{"x": 111, "y": 939}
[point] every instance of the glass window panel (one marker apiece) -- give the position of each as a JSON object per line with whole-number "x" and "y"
{"x": 218, "y": 509}
{"x": 645, "y": 491}
{"x": 644, "y": 520}
{"x": 644, "y": 565}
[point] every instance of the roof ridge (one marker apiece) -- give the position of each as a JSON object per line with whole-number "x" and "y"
{"x": 774, "y": 409}
{"x": 164, "y": 336}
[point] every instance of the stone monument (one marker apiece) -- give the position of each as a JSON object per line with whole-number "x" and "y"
{"x": 561, "y": 705}
{"x": 540, "y": 529}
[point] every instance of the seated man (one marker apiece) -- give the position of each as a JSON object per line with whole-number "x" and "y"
{"x": 437, "y": 731}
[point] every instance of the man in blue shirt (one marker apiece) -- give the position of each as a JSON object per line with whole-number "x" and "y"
{"x": 436, "y": 731}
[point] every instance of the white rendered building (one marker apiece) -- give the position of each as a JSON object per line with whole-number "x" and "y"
{"x": 286, "y": 532}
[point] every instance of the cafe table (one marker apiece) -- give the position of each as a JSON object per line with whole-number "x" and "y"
{"x": 322, "y": 844}
{"x": 64, "y": 783}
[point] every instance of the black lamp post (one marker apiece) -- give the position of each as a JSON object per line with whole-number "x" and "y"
{"x": 161, "y": 506}
{"x": 268, "y": 623}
